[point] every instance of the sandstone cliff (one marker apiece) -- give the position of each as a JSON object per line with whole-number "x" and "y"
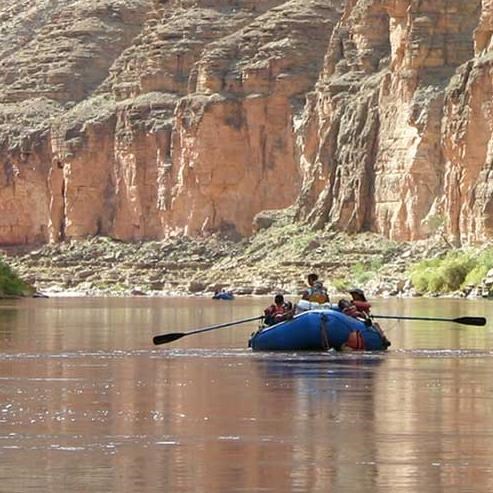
{"x": 140, "y": 118}
{"x": 137, "y": 119}
{"x": 384, "y": 143}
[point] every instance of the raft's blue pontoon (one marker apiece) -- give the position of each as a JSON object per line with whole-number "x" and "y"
{"x": 315, "y": 330}
{"x": 224, "y": 295}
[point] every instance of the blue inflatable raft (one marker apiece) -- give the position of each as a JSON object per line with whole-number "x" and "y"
{"x": 224, "y": 295}
{"x": 316, "y": 330}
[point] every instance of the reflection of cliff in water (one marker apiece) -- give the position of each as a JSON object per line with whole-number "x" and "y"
{"x": 332, "y": 401}
{"x": 8, "y": 322}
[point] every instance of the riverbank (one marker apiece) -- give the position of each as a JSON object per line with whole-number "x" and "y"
{"x": 276, "y": 259}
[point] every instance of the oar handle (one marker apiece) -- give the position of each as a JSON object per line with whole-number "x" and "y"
{"x": 220, "y": 326}
{"x": 173, "y": 336}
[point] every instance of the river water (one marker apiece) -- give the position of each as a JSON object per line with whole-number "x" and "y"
{"x": 88, "y": 404}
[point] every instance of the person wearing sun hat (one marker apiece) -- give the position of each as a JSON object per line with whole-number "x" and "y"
{"x": 359, "y": 300}
{"x": 359, "y": 307}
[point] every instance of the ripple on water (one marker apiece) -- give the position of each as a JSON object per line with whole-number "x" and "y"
{"x": 111, "y": 444}
{"x": 95, "y": 356}
{"x": 442, "y": 353}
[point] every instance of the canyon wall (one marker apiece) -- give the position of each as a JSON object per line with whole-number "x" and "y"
{"x": 395, "y": 135}
{"x": 138, "y": 119}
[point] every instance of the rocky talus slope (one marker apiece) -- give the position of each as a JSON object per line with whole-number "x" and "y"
{"x": 276, "y": 261}
{"x": 138, "y": 119}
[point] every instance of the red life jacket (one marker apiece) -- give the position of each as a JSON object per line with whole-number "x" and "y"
{"x": 277, "y": 313}
{"x": 280, "y": 309}
{"x": 362, "y": 306}
{"x": 357, "y": 309}
{"x": 351, "y": 311}
{"x": 275, "y": 310}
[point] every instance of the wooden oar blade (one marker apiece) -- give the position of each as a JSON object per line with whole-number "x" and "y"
{"x": 479, "y": 321}
{"x": 165, "y": 338}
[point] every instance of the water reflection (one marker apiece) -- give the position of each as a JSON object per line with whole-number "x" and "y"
{"x": 8, "y": 317}
{"x": 320, "y": 365}
{"x": 333, "y": 400}
{"x": 87, "y": 404}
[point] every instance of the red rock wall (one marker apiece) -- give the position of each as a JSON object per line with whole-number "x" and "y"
{"x": 376, "y": 130}
{"x": 467, "y": 140}
{"x": 177, "y": 115}
{"x": 140, "y": 118}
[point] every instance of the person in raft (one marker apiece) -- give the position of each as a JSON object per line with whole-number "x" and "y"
{"x": 316, "y": 292}
{"x": 359, "y": 307}
{"x": 279, "y": 311}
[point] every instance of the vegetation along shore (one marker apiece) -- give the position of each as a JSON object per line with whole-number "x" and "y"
{"x": 276, "y": 259}
{"x": 11, "y": 285}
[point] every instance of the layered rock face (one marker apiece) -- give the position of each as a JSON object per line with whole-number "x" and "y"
{"x": 468, "y": 139}
{"x": 53, "y": 55}
{"x": 395, "y": 138}
{"x": 137, "y": 119}
{"x": 157, "y": 116}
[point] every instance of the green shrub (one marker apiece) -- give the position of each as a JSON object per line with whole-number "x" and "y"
{"x": 435, "y": 282}
{"x": 454, "y": 272}
{"x": 361, "y": 273}
{"x": 420, "y": 280}
{"x": 10, "y": 284}
{"x": 476, "y": 275}
{"x": 341, "y": 285}
{"x": 451, "y": 272}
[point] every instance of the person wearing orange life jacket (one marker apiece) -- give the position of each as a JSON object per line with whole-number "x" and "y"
{"x": 359, "y": 307}
{"x": 316, "y": 291}
{"x": 279, "y": 311}
{"x": 360, "y": 302}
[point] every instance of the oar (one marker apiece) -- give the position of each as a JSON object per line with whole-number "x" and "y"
{"x": 173, "y": 336}
{"x": 480, "y": 321}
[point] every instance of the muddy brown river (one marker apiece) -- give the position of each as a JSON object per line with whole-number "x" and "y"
{"x": 88, "y": 404}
